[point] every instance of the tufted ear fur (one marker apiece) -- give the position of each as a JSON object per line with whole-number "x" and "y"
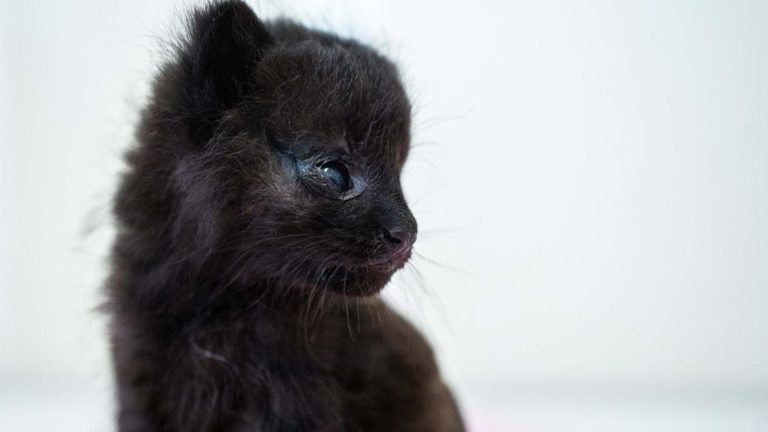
{"x": 226, "y": 41}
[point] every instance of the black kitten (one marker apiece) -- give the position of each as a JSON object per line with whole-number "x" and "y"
{"x": 262, "y": 198}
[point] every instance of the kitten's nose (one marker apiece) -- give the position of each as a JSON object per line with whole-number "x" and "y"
{"x": 399, "y": 242}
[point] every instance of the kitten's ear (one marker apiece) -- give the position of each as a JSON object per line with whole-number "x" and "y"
{"x": 226, "y": 41}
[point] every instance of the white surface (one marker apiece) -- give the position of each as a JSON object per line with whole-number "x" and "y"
{"x": 591, "y": 174}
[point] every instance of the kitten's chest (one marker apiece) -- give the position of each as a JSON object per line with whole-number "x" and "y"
{"x": 280, "y": 379}
{"x": 284, "y": 377}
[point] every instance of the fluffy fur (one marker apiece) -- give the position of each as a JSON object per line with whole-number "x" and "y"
{"x": 262, "y": 197}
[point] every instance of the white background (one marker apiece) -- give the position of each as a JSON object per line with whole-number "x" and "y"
{"x": 590, "y": 176}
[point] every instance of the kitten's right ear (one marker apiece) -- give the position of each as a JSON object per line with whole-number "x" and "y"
{"x": 226, "y": 40}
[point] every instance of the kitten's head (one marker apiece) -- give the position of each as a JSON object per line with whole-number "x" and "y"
{"x": 287, "y": 150}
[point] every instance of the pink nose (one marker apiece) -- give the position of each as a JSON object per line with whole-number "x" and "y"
{"x": 399, "y": 242}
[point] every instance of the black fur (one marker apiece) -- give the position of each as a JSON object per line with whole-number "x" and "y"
{"x": 262, "y": 198}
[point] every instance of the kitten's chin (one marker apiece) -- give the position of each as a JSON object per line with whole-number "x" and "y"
{"x": 362, "y": 281}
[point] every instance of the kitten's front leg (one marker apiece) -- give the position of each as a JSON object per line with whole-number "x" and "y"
{"x": 136, "y": 383}
{"x": 132, "y": 418}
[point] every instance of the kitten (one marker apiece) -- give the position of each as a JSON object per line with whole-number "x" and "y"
{"x": 262, "y": 199}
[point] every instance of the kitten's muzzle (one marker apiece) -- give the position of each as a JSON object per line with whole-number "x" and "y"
{"x": 397, "y": 230}
{"x": 399, "y": 243}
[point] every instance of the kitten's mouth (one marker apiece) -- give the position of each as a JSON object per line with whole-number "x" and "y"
{"x": 363, "y": 279}
{"x": 390, "y": 263}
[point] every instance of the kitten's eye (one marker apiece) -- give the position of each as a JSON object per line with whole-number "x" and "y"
{"x": 337, "y": 174}
{"x": 332, "y": 177}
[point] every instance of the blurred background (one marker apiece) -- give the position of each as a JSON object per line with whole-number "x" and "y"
{"x": 590, "y": 179}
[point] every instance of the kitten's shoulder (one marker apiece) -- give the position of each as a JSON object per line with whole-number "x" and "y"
{"x": 391, "y": 372}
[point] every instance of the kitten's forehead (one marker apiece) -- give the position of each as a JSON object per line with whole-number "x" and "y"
{"x": 345, "y": 93}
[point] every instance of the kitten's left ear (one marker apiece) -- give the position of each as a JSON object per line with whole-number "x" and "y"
{"x": 226, "y": 40}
